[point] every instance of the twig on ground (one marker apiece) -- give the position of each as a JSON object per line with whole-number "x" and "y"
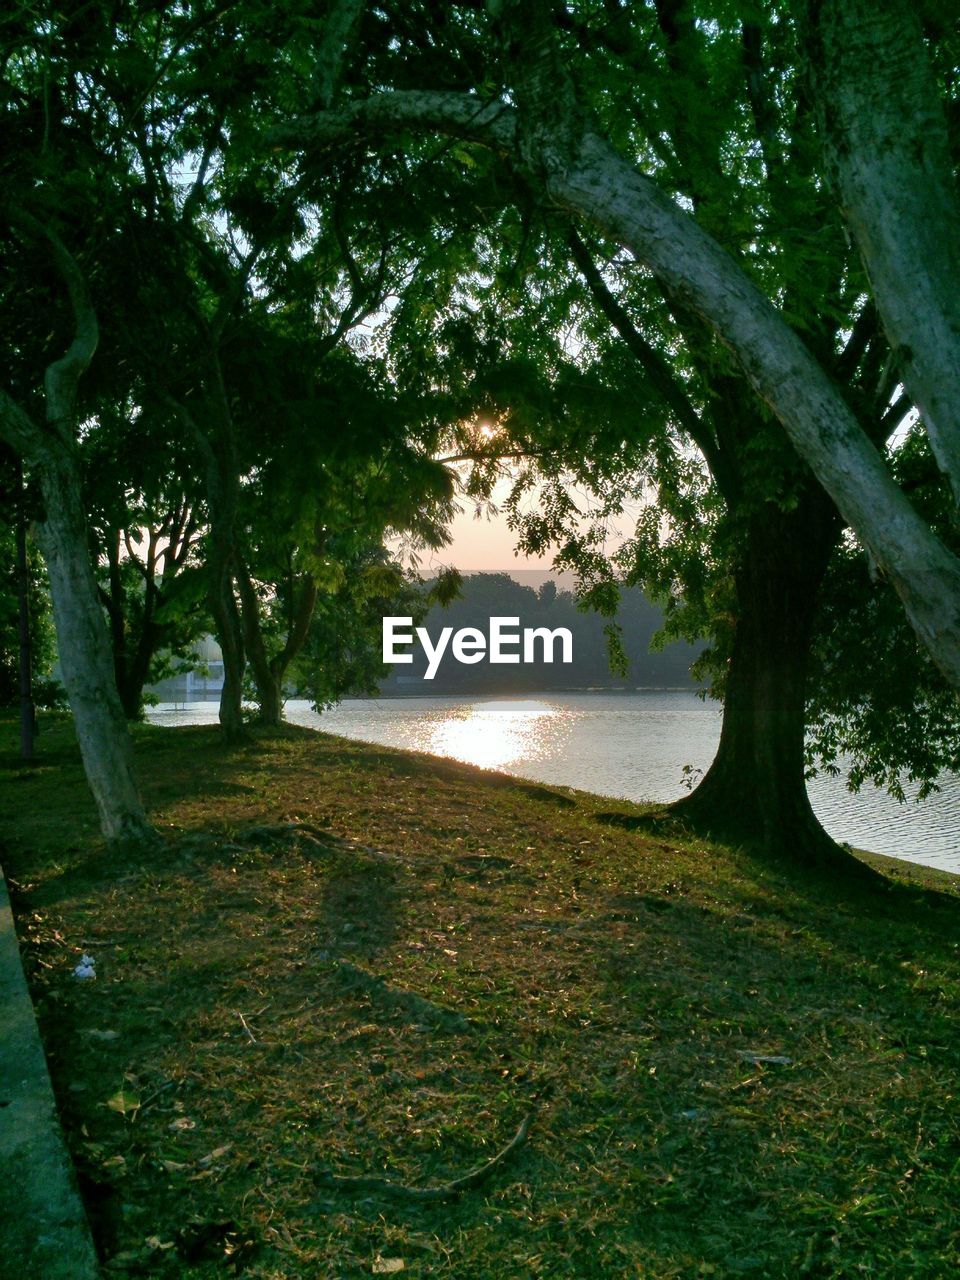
{"x": 445, "y": 1191}
{"x": 243, "y": 1023}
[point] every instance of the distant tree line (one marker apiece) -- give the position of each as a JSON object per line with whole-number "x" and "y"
{"x": 486, "y": 595}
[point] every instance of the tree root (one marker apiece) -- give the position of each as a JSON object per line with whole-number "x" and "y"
{"x": 445, "y": 1191}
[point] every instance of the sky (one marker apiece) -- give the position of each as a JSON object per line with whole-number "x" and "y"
{"x": 485, "y": 542}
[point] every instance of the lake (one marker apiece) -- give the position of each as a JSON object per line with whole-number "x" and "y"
{"x": 627, "y": 745}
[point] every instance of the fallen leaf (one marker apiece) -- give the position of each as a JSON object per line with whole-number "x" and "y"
{"x": 388, "y": 1266}
{"x": 124, "y": 1101}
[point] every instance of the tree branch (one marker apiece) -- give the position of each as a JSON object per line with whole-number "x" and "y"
{"x": 864, "y": 331}
{"x": 19, "y": 430}
{"x": 63, "y": 376}
{"x": 297, "y": 635}
{"x": 764, "y": 115}
{"x": 493, "y": 124}
{"x": 656, "y": 368}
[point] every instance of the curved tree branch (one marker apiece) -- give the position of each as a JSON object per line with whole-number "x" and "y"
{"x": 582, "y": 173}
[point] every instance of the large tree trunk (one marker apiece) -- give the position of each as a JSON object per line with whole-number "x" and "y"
{"x": 85, "y": 656}
{"x": 754, "y": 792}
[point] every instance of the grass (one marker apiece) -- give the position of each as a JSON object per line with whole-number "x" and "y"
{"x": 617, "y": 984}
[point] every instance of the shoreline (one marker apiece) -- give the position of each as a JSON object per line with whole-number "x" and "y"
{"x": 870, "y": 819}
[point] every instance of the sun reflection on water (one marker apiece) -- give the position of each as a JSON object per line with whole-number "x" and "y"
{"x": 495, "y": 734}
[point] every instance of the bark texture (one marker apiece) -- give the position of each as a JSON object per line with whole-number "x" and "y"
{"x": 755, "y": 792}
{"x": 888, "y": 146}
{"x": 85, "y": 655}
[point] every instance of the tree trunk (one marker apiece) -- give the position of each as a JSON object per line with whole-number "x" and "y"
{"x": 269, "y": 673}
{"x": 137, "y": 665}
{"x": 888, "y": 144}
{"x": 85, "y": 656}
{"x": 82, "y": 640}
{"x": 131, "y": 682}
{"x": 218, "y": 447}
{"x": 597, "y": 184}
{"x": 754, "y": 793}
{"x": 226, "y": 618}
{"x": 270, "y": 694}
{"x": 28, "y": 717}
{"x": 268, "y": 681}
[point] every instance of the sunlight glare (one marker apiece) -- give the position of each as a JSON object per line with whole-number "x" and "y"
{"x": 494, "y": 734}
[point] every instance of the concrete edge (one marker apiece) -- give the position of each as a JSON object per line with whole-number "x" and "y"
{"x": 44, "y": 1231}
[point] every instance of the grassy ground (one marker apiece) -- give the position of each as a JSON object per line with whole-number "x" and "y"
{"x": 234, "y": 1045}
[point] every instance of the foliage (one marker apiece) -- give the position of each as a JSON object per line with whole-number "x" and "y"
{"x": 880, "y": 709}
{"x": 343, "y": 653}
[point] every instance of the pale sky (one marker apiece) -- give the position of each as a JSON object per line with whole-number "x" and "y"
{"x": 485, "y": 542}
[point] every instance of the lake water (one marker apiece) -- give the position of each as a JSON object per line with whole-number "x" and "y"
{"x": 627, "y": 745}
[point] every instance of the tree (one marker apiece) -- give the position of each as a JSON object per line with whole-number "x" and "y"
{"x": 879, "y": 709}
{"x": 50, "y": 452}
{"x": 321, "y": 504}
{"x": 537, "y": 118}
{"x": 343, "y": 652}
{"x": 606, "y": 394}
{"x": 886, "y": 138}
{"x": 256, "y": 286}
{"x": 146, "y": 516}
